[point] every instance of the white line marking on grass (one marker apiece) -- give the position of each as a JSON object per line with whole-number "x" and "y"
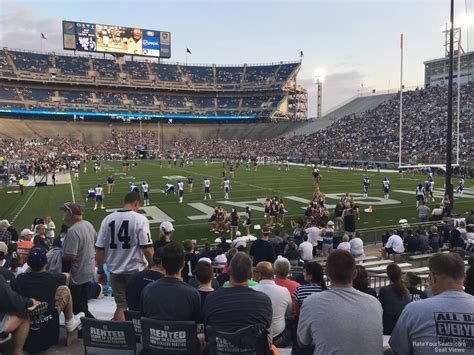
{"x": 24, "y": 205}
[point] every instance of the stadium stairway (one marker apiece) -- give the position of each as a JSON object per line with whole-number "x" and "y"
{"x": 355, "y": 106}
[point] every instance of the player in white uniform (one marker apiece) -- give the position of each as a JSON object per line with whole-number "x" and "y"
{"x": 99, "y": 192}
{"x": 420, "y": 194}
{"x": 460, "y": 188}
{"x": 146, "y": 201}
{"x": 366, "y": 186}
{"x": 180, "y": 190}
{"x": 207, "y": 188}
{"x": 124, "y": 243}
{"x": 386, "y": 188}
{"x": 226, "y": 188}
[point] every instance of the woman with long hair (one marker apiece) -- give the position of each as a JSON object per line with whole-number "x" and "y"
{"x": 361, "y": 282}
{"x": 314, "y": 277}
{"x": 393, "y": 298}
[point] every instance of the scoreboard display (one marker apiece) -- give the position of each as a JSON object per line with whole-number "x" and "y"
{"x": 92, "y": 37}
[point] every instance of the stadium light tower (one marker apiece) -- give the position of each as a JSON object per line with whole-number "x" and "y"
{"x": 319, "y": 76}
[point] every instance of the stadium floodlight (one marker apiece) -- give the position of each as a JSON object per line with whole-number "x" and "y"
{"x": 319, "y": 76}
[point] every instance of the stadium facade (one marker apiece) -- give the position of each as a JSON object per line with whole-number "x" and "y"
{"x": 437, "y": 70}
{"x": 50, "y": 85}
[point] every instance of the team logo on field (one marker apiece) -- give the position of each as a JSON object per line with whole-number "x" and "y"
{"x": 173, "y": 177}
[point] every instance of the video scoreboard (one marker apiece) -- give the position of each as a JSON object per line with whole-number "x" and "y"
{"x": 92, "y": 37}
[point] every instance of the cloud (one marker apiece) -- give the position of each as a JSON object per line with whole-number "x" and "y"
{"x": 21, "y": 28}
{"x": 337, "y": 88}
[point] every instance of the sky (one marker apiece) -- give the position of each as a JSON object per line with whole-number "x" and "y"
{"x": 356, "y": 42}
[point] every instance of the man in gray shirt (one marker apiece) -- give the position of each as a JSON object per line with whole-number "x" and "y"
{"x": 341, "y": 320}
{"x": 442, "y": 324}
{"x": 423, "y": 212}
{"x": 79, "y": 251}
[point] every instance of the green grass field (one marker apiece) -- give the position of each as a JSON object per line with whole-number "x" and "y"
{"x": 248, "y": 188}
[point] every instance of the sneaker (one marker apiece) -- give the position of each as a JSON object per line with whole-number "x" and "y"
{"x": 74, "y": 322}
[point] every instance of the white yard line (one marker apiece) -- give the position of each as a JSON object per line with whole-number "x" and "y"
{"x": 24, "y": 205}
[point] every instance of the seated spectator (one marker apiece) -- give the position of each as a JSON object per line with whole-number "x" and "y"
{"x": 362, "y": 282}
{"x": 306, "y": 249}
{"x": 51, "y": 288}
{"x": 357, "y": 246}
{"x": 40, "y": 239}
{"x": 278, "y": 243}
{"x": 434, "y": 239}
{"x": 166, "y": 231}
{"x": 205, "y": 277}
{"x": 456, "y": 242}
{"x": 314, "y": 276}
{"x": 291, "y": 252}
{"x": 55, "y": 256}
{"x": 418, "y": 328}
{"x": 345, "y": 245}
{"x": 220, "y": 260}
{"x": 437, "y": 213}
{"x": 240, "y": 243}
{"x": 412, "y": 281}
{"x": 6, "y": 273}
{"x": 141, "y": 279}
{"x": 338, "y": 329}
{"x": 25, "y": 244}
{"x": 261, "y": 249}
{"x": 169, "y": 298}
{"x": 5, "y": 235}
{"x": 281, "y": 302}
{"x": 394, "y": 244}
{"x": 238, "y": 306}
{"x": 282, "y": 269}
{"x": 422, "y": 239}
{"x": 393, "y": 298}
{"x": 469, "y": 283}
{"x": 194, "y": 282}
{"x": 190, "y": 260}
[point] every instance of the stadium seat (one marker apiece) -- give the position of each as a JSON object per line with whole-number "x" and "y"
{"x": 169, "y": 337}
{"x": 134, "y": 316}
{"x": 250, "y": 340}
{"x": 108, "y": 337}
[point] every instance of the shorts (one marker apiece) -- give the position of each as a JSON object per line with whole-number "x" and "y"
{"x": 119, "y": 284}
{"x": 90, "y": 196}
{"x": 207, "y": 190}
{"x": 327, "y": 248}
{"x": 145, "y": 195}
{"x": 98, "y": 198}
{"x": 226, "y": 190}
{"x": 61, "y": 298}
{"x": 420, "y": 197}
{"x": 180, "y": 193}
{"x": 386, "y": 191}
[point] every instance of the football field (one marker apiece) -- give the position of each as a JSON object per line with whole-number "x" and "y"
{"x": 249, "y": 188}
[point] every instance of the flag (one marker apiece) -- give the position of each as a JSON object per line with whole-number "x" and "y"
{"x": 188, "y": 51}
{"x": 43, "y": 36}
{"x": 301, "y": 54}
{"x": 401, "y": 40}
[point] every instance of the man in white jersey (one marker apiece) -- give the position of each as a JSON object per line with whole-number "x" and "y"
{"x": 146, "y": 201}
{"x": 226, "y": 188}
{"x": 99, "y": 192}
{"x": 386, "y": 188}
{"x": 420, "y": 194}
{"x": 124, "y": 243}
{"x": 207, "y": 188}
{"x": 180, "y": 190}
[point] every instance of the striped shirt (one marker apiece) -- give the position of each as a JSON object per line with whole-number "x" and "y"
{"x": 304, "y": 291}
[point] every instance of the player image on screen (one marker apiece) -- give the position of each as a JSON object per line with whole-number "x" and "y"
{"x": 133, "y": 44}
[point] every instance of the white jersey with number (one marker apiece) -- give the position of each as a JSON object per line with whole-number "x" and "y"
{"x": 145, "y": 187}
{"x": 180, "y": 185}
{"x": 98, "y": 191}
{"x": 207, "y": 183}
{"x": 122, "y": 235}
{"x": 226, "y": 184}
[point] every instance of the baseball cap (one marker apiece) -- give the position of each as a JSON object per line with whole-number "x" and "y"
{"x": 5, "y": 223}
{"x": 26, "y": 232}
{"x": 266, "y": 230}
{"x": 3, "y": 248}
{"x": 72, "y": 208}
{"x": 37, "y": 257}
{"x": 166, "y": 226}
{"x": 206, "y": 260}
{"x": 330, "y": 223}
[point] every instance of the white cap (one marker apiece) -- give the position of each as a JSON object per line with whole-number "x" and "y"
{"x": 26, "y": 232}
{"x": 403, "y": 221}
{"x": 206, "y": 260}
{"x": 166, "y": 226}
{"x": 330, "y": 223}
{"x": 238, "y": 234}
{"x": 5, "y": 223}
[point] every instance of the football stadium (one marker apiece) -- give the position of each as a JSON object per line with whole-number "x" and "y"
{"x": 151, "y": 205}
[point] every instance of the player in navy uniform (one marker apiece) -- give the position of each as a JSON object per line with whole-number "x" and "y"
{"x": 366, "y": 186}
{"x": 429, "y": 188}
{"x": 190, "y": 183}
{"x": 145, "y": 189}
{"x": 180, "y": 190}
{"x": 207, "y": 188}
{"x": 110, "y": 184}
{"x": 90, "y": 194}
{"x": 169, "y": 188}
{"x": 420, "y": 194}
{"x": 133, "y": 187}
{"x": 99, "y": 191}
{"x": 386, "y": 187}
{"x": 460, "y": 188}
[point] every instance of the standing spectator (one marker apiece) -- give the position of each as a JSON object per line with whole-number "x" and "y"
{"x": 306, "y": 249}
{"x": 328, "y": 239}
{"x": 5, "y": 235}
{"x": 78, "y": 250}
{"x": 169, "y": 298}
{"x": 140, "y": 279}
{"x": 124, "y": 243}
{"x": 393, "y": 298}
{"x": 51, "y": 288}
{"x": 315, "y": 238}
{"x": 362, "y": 282}
{"x": 349, "y": 221}
{"x": 357, "y": 246}
{"x": 261, "y": 249}
{"x": 166, "y": 231}
{"x": 337, "y": 329}
{"x": 394, "y": 244}
{"x": 445, "y": 318}
{"x": 281, "y": 302}
{"x": 314, "y": 276}
{"x": 291, "y": 252}
{"x": 50, "y": 228}
{"x": 423, "y": 212}
{"x": 412, "y": 281}
{"x": 282, "y": 268}
{"x": 434, "y": 238}
{"x": 237, "y": 306}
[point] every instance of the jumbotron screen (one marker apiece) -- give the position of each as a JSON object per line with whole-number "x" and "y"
{"x": 92, "y": 37}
